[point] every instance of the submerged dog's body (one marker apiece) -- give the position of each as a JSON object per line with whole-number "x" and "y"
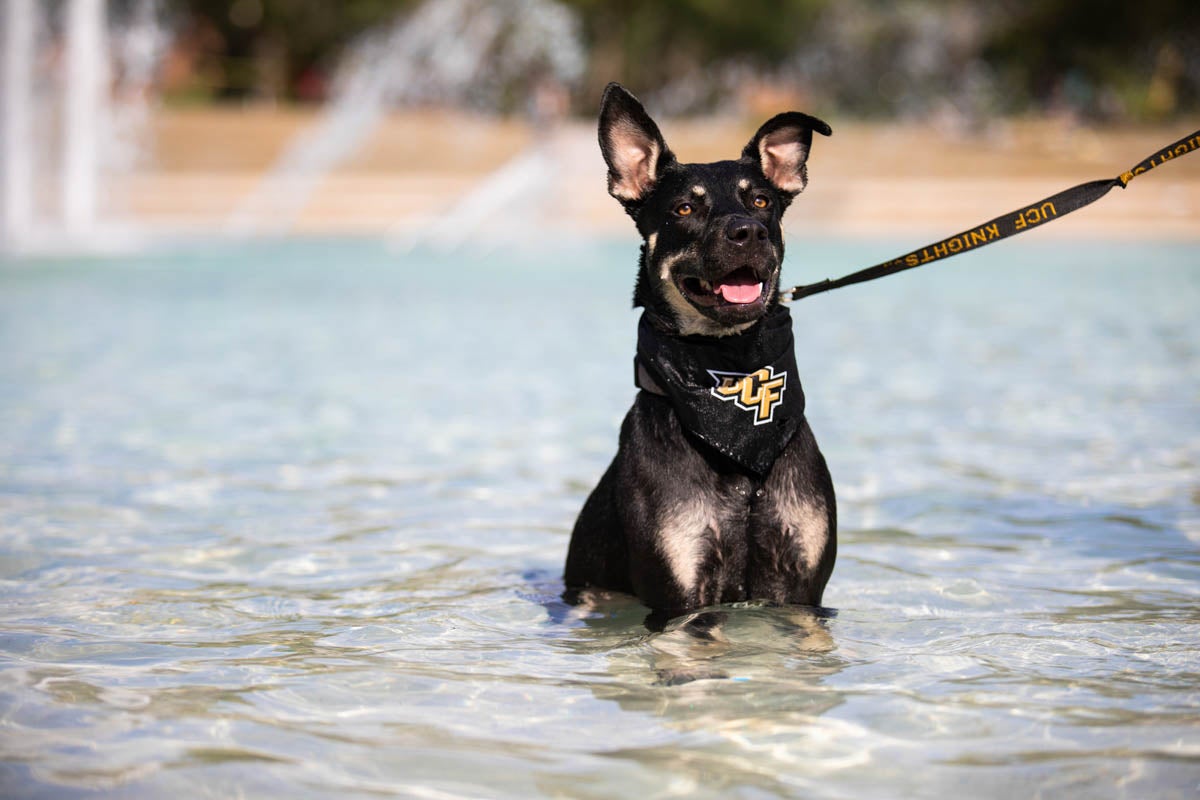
{"x": 689, "y": 513}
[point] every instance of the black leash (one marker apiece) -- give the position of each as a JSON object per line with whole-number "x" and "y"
{"x": 1010, "y": 224}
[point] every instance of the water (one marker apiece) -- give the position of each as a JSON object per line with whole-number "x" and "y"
{"x": 287, "y": 519}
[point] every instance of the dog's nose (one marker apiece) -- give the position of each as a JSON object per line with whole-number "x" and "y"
{"x": 743, "y": 230}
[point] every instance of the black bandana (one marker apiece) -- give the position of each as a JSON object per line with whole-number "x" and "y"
{"x": 739, "y": 394}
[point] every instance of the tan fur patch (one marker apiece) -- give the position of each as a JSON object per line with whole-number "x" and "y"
{"x": 805, "y": 522}
{"x": 802, "y": 519}
{"x": 684, "y": 536}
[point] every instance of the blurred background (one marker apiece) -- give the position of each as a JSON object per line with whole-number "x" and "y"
{"x": 130, "y": 118}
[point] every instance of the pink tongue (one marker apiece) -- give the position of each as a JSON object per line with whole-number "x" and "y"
{"x": 739, "y": 292}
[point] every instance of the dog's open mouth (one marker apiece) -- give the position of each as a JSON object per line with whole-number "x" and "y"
{"x": 739, "y": 288}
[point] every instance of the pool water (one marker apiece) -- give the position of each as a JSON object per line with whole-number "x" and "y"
{"x": 287, "y": 519}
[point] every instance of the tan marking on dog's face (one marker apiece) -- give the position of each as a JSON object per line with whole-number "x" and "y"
{"x": 685, "y": 312}
{"x": 703, "y": 326}
{"x": 667, "y": 266}
{"x": 744, "y": 184}
{"x": 699, "y": 191}
{"x": 691, "y": 321}
{"x": 651, "y": 243}
{"x": 684, "y": 536}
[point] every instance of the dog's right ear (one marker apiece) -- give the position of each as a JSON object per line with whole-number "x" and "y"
{"x": 632, "y": 146}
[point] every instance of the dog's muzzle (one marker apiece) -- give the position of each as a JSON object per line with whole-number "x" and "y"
{"x": 739, "y": 261}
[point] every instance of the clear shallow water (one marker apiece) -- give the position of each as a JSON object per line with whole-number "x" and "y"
{"x": 288, "y": 520}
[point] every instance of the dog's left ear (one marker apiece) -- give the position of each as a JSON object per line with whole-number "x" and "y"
{"x": 781, "y": 146}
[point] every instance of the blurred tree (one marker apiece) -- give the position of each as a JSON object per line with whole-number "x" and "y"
{"x": 973, "y": 58}
{"x": 281, "y": 47}
{"x": 1101, "y": 58}
{"x": 648, "y": 45}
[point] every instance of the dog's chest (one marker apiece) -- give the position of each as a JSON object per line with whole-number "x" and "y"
{"x": 738, "y": 535}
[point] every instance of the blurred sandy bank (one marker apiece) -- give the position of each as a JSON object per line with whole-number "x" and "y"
{"x": 214, "y": 168}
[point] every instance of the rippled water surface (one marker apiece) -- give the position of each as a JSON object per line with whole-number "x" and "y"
{"x": 287, "y": 520}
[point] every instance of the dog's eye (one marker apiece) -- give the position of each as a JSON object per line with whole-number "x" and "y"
{"x": 761, "y": 201}
{"x": 684, "y": 209}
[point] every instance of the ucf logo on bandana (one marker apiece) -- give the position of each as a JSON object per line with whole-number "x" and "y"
{"x": 759, "y": 392}
{"x": 738, "y": 394}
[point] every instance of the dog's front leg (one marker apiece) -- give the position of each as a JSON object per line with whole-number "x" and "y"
{"x": 674, "y": 509}
{"x": 677, "y": 555}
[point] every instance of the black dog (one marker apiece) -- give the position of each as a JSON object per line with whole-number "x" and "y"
{"x": 718, "y": 492}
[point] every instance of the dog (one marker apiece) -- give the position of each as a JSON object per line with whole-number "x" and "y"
{"x": 718, "y": 492}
